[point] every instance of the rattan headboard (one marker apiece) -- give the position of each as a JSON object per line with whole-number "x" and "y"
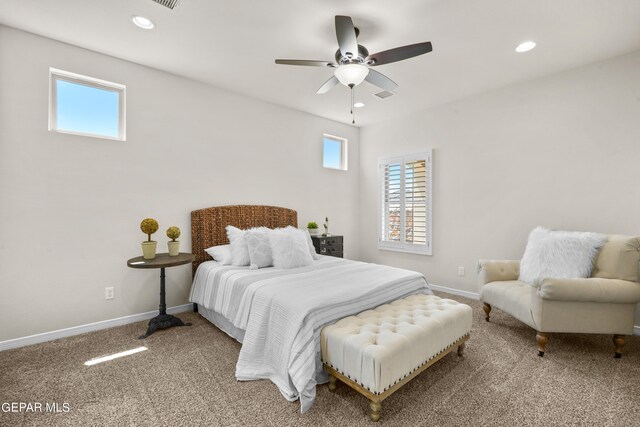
{"x": 208, "y": 225}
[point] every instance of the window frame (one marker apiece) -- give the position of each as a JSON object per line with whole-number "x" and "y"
{"x": 344, "y": 161}
{"x": 67, "y": 76}
{"x": 403, "y": 246}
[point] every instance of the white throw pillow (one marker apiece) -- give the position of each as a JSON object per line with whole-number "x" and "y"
{"x": 260, "y": 255}
{"x": 239, "y": 247}
{"x": 559, "y": 255}
{"x": 312, "y": 248}
{"x": 290, "y": 248}
{"x": 220, "y": 253}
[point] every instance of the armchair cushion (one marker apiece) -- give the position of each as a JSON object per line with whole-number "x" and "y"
{"x": 591, "y": 290}
{"x": 618, "y": 259}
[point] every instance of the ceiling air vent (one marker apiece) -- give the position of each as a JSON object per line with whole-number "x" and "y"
{"x": 171, "y": 4}
{"x": 384, "y": 94}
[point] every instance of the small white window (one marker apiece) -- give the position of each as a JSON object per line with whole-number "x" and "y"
{"x": 83, "y": 105}
{"x": 405, "y": 203}
{"x": 334, "y": 152}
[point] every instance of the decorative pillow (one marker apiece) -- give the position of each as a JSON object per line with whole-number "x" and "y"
{"x": 559, "y": 255}
{"x": 239, "y": 247}
{"x": 618, "y": 258}
{"x": 221, "y": 254}
{"x": 260, "y": 255}
{"x": 312, "y": 248}
{"x": 290, "y": 248}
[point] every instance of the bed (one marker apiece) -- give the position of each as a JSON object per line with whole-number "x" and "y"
{"x": 278, "y": 314}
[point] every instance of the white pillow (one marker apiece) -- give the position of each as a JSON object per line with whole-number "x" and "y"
{"x": 239, "y": 247}
{"x": 221, "y": 254}
{"x": 290, "y": 248}
{"x": 312, "y": 249}
{"x": 559, "y": 255}
{"x": 260, "y": 254}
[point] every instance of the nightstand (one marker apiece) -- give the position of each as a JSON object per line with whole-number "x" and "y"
{"x": 161, "y": 261}
{"x": 328, "y": 245}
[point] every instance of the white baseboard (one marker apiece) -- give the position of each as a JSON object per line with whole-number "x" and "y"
{"x": 82, "y": 329}
{"x": 636, "y": 330}
{"x": 466, "y": 294}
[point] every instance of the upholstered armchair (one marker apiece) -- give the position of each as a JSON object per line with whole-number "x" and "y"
{"x": 604, "y": 303}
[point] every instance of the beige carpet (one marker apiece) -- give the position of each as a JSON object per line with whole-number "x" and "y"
{"x": 186, "y": 378}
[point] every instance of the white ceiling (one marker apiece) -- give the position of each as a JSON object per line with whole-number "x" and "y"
{"x": 233, "y": 44}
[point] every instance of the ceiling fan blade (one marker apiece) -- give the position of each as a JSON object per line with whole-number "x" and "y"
{"x": 380, "y": 80}
{"x": 328, "y": 85}
{"x": 306, "y": 63}
{"x": 399, "y": 53}
{"x": 346, "y": 34}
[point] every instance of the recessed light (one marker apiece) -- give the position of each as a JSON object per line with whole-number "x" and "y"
{"x": 359, "y": 104}
{"x": 525, "y": 46}
{"x": 143, "y": 22}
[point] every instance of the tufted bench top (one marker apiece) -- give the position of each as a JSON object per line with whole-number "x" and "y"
{"x": 378, "y": 348}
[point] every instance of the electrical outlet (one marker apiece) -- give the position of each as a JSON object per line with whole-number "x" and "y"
{"x": 460, "y": 271}
{"x": 109, "y": 293}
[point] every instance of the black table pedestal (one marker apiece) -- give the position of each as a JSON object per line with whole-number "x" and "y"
{"x": 162, "y": 320}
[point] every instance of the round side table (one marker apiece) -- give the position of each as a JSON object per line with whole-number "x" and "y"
{"x": 161, "y": 261}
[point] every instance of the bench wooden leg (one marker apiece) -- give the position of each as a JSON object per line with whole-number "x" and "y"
{"x": 461, "y": 349}
{"x": 375, "y": 410}
{"x": 332, "y": 383}
{"x": 618, "y": 341}
{"x": 487, "y": 309}
{"x": 541, "y": 338}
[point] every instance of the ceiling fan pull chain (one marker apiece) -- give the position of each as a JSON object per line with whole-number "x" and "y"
{"x": 353, "y": 114}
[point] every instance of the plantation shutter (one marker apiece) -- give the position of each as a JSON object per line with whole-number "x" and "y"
{"x": 392, "y": 201}
{"x": 405, "y": 215}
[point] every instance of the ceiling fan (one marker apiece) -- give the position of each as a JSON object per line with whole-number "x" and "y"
{"x": 353, "y": 62}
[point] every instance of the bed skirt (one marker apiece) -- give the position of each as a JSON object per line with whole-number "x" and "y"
{"x": 222, "y": 323}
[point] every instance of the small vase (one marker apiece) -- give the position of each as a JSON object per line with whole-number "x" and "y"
{"x": 149, "y": 250}
{"x": 313, "y": 231}
{"x": 174, "y": 248}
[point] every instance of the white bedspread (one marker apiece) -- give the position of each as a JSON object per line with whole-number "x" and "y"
{"x": 283, "y": 312}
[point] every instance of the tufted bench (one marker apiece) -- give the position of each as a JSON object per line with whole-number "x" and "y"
{"x": 380, "y": 350}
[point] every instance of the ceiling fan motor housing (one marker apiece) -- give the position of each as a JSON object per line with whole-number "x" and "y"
{"x": 360, "y": 59}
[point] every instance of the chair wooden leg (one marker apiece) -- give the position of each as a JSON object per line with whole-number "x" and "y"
{"x": 332, "y": 383}
{"x": 541, "y": 338}
{"x": 487, "y": 309}
{"x": 375, "y": 410}
{"x": 461, "y": 350}
{"x": 618, "y": 341}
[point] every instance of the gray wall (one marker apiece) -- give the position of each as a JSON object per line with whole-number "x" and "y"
{"x": 561, "y": 151}
{"x": 71, "y": 205}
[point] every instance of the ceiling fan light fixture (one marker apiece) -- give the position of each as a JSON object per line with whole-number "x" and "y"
{"x": 351, "y": 74}
{"x": 525, "y": 46}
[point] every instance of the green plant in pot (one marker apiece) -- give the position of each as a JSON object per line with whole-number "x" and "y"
{"x": 173, "y": 233}
{"x": 148, "y": 227}
{"x": 312, "y": 227}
